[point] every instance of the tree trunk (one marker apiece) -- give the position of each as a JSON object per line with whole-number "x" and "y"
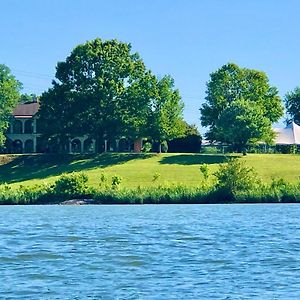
{"x": 99, "y": 143}
{"x": 240, "y": 148}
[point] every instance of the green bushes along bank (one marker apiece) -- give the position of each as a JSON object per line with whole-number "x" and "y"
{"x": 232, "y": 183}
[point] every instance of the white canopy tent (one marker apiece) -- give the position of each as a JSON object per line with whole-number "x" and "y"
{"x": 289, "y": 135}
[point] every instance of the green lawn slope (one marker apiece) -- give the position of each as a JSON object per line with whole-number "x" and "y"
{"x": 138, "y": 169}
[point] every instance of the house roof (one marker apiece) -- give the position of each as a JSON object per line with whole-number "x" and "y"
{"x": 289, "y": 135}
{"x": 26, "y": 110}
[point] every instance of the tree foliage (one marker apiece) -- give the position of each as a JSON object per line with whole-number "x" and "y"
{"x": 233, "y": 92}
{"x": 28, "y": 98}
{"x": 96, "y": 92}
{"x": 165, "y": 113}
{"x": 190, "y": 129}
{"x": 104, "y": 90}
{"x": 292, "y": 105}
{"x": 243, "y": 122}
{"x": 235, "y": 176}
{"x": 189, "y": 143}
{"x": 9, "y": 97}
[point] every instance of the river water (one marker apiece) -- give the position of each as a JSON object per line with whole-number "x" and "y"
{"x": 150, "y": 252}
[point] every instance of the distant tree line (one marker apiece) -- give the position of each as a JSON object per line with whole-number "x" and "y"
{"x": 105, "y": 91}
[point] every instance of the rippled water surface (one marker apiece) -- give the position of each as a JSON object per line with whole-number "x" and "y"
{"x": 150, "y": 252}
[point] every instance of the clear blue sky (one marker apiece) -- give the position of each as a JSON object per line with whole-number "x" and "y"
{"x": 187, "y": 39}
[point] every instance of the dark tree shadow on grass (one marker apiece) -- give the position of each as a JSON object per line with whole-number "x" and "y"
{"x": 26, "y": 167}
{"x": 196, "y": 159}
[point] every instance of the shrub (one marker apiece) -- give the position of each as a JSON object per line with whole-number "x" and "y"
{"x": 147, "y": 147}
{"x": 210, "y": 150}
{"x": 188, "y": 144}
{"x": 284, "y": 191}
{"x": 204, "y": 170}
{"x": 116, "y": 181}
{"x": 26, "y": 194}
{"x": 103, "y": 181}
{"x": 286, "y": 149}
{"x": 164, "y": 147}
{"x": 235, "y": 176}
{"x": 71, "y": 184}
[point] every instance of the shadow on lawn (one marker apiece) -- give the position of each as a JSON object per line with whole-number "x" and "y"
{"x": 26, "y": 167}
{"x": 196, "y": 159}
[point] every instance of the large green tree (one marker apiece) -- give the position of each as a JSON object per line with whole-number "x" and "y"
{"x": 190, "y": 142}
{"x": 243, "y": 122}
{"x": 244, "y": 97}
{"x": 99, "y": 90}
{"x": 29, "y": 98}
{"x": 165, "y": 113}
{"x": 104, "y": 90}
{"x": 9, "y": 98}
{"x": 292, "y": 105}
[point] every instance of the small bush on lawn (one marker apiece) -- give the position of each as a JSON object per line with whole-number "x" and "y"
{"x": 147, "y": 147}
{"x": 204, "y": 170}
{"x": 115, "y": 182}
{"x": 103, "y": 181}
{"x": 71, "y": 184}
{"x": 164, "y": 147}
{"x": 235, "y": 176}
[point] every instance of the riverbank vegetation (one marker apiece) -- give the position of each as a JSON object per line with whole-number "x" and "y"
{"x": 220, "y": 179}
{"x": 138, "y": 169}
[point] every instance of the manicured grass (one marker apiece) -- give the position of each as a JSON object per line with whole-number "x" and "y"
{"x": 269, "y": 166}
{"x": 139, "y": 169}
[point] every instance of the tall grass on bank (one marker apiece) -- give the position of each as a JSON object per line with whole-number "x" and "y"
{"x": 233, "y": 183}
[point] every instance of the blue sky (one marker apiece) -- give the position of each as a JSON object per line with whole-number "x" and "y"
{"x": 187, "y": 39}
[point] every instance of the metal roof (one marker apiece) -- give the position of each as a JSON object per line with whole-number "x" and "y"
{"x": 26, "y": 110}
{"x": 289, "y": 135}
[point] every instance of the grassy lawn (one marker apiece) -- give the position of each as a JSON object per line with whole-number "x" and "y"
{"x": 138, "y": 169}
{"x": 269, "y": 166}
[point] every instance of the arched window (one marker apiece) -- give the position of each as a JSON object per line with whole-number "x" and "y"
{"x": 17, "y": 146}
{"x": 111, "y": 145}
{"x": 76, "y": 146}
{"x": 88, "y": 146}
{"x": 124, "y": 145}
{"x": 17, "y": 127}
{"x": 28, "y": 146}
{"x": 28, "y": 126}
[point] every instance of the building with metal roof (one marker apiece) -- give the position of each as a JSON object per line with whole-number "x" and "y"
{"x": 289, "y": 135}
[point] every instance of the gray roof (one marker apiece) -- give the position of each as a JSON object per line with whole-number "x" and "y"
{"x": 289, "y": 135}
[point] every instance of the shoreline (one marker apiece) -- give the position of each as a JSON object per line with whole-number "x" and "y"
{"x": 87, "y": 202}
